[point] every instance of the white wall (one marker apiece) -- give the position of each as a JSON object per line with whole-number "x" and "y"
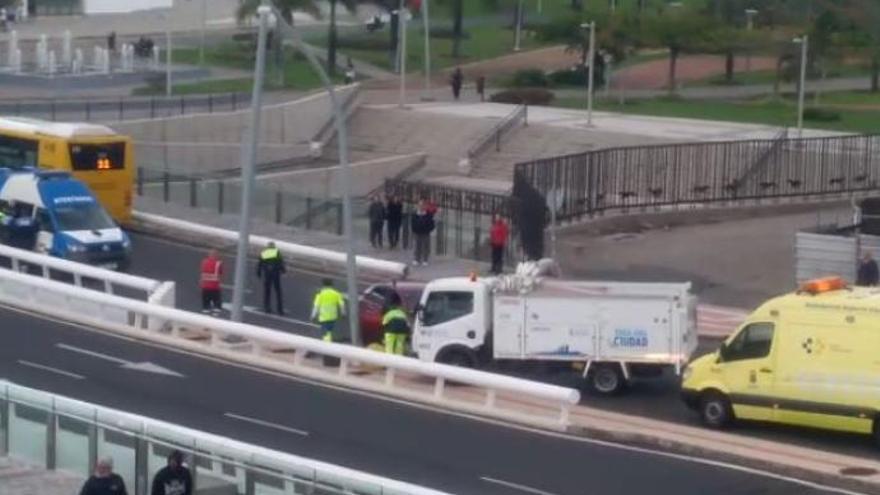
{"x": 123, "y": 6}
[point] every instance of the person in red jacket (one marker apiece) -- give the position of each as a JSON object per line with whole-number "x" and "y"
{"x": 498, "y": 240}
{"x": 209, "y": 281}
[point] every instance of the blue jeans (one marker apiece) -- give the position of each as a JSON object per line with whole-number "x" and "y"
{"x": 327, "y": 328}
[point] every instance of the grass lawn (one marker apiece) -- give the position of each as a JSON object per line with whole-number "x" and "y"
{"x": 205, "y": 87}
{"x": 767, "y": 112}
{"x": 769, "y": 76}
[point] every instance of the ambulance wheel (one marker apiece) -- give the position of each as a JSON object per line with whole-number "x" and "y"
{"x": 607, "y": 379}
{"x": 458, "y": 356}
{"x": 715, "y": 410}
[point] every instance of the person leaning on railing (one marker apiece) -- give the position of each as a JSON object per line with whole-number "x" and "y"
{"x": 104, "y": 481}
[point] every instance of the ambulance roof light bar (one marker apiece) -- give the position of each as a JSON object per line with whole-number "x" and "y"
{"x": 821, "y": 285}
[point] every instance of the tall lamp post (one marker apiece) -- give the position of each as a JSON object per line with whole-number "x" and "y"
{"x": 427, "y": 25}
{"x": 750, "y": 25}
{"x": 804, "y": 42}
{"x": 401, "y": 52}
{"x": 591, "y": 59}
{"x": 518, "y": 29}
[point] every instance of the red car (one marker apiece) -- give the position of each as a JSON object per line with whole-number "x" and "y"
{"x": 372, "y": 302}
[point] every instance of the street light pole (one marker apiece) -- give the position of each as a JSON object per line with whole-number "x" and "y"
{"x": 168, "y": 49}
{"x": 427, "y": 22}
{"x": 401, "y": 22}
{"x": 591, "y": 59}
{"x": 204, "y": 27}
{"x": 345, "y": 175}
{"x": 750, "y": 24}
{"x": 248, "y": 166}
{"x": 804, "y": 42}
{"x": 519, "y": 16}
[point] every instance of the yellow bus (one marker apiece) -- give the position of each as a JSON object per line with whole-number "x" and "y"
{"x": 94, "y": 154}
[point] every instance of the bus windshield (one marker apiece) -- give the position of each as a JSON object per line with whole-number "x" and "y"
{"x": 83, "y": 216}
{"x": 108, "y": 156}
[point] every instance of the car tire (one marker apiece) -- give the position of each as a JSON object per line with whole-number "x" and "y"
{"x": 607, "y": 379}
{"x": 458, "y": 356}
{"x": 715, "y": 410}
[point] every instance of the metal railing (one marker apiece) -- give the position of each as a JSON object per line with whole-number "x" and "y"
{"x": 282, "y": 352}
{"x": 496, "y": 134}
{"x": 59, "y": 433}
{"x": 686, "y": 175}
{"x": 124, "y": 108}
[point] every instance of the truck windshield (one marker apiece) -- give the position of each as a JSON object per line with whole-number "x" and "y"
{"x": 83, "y": 216}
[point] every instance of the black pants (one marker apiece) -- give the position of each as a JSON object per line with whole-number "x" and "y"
{"x": 376, "y": 233}
{"x": 423, "y": 248}
{"x": 211, "y": 300}
{"x": 270, "y": 281}
{"x": 497, "y": 259}
{"x": 393, "y": 234}
{"x": 456, "y": 91}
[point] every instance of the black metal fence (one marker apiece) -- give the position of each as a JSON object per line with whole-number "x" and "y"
{"x": 700, "y": 173}
{"x": 124, "y": 108}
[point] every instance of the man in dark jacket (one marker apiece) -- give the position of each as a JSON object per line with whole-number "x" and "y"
{"x": 422, "y": 226}
{"x": 104, "y": 481}
{"x": 376, "y": 213}
{"x": 394, "y": 215}
{"x": 173, "y": 479}
{"x": 868, "y": 274}
{"x": 270, "y": 268}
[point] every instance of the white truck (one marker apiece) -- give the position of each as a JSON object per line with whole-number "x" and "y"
{"x": 615, "y": 330}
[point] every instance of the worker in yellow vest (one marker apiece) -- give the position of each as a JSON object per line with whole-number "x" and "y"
{"x": 395, "y": 325}
{"x": 328, "y": 308}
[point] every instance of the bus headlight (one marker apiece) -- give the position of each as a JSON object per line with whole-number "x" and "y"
{"x": 75, "y": 247}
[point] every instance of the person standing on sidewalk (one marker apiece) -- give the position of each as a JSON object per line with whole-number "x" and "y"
{"x": 456, "y": 81}
{"x": 395, "y": 326}
{"x": 422, "y": 226}
{"x": 498, "y": 235}
{"x": 868, "y": 273}
{"x": 211, "y": 273}
{"x": 104, "y": 481}
{"x": 173, "y": 479}
{"x": 394, "y": 215}
{"x": 376, "y": 213}
{"x": 270, "y": 268}
{"x": 328, "y": 307}
{"x": 481, "y": 88}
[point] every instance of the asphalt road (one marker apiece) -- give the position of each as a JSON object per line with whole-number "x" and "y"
{"x": 656, "y": 398}
{"x": 430, "y": 448}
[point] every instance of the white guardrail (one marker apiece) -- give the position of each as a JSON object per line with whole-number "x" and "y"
{"x": 324, "y": 258}
{"x": 358, "y": 368}
{"x": 214, "y": 452}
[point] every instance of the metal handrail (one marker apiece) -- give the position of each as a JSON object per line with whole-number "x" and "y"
{"x": 520, "y": 113}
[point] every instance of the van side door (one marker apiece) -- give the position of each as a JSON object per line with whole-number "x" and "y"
{"x": 746, "y": 364}
{"x": 46, "y": 234}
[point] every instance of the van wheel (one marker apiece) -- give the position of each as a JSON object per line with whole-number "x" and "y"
{"x": 875, "y": 432}
{"x": 715, "y": 410}
{"x": 607, "y": 379}
{"x": 458, "y": 356}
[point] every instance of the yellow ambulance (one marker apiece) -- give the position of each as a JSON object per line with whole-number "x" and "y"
{"x": 810, "y": 358}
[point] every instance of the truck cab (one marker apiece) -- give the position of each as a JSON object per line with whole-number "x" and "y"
{"x": 454, "y": 318}
{"x": 55, "y": 214}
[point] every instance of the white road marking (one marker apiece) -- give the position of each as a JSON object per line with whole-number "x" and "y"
{"x": 440, "y": 410}
{"x": 256, "y": 311}
{"x": 515, "y": 486}
{"x": 267, "y": 424}
{"x": 145, "y": 366}
{"x": 51, "y": 369}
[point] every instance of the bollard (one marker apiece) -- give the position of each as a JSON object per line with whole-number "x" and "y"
{"x": 182, "y": 105}
{"x": 210, "y": 103}
{"x": 121, "y": 109}
{"x": 278, "y": 200}
{"x": 193, "y": 200}
{"x": 220, "y": 197}
{"x": 234, "y": 101}
{"x": 309, "y": 213}
{"x": 339, "y": 219}
{"x": 140, "y": 181}
{"x": 166, "y": 191}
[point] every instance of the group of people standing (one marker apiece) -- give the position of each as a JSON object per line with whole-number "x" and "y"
{"x": 173, "y": 479}
{"x": 389, "y": 213}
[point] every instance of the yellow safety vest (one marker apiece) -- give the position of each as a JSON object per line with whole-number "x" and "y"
{"x": 269, "y": 253}
{"x": 393, "y": 314}
{"x": 328, "y": 302}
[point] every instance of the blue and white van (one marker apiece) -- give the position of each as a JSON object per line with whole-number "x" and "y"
{"x": 53, "y": 213}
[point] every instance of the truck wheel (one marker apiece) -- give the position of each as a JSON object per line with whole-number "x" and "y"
{"x": 715, "y": 410}
{"x": 461, "y": 357}
{"x": 607, "y": 379}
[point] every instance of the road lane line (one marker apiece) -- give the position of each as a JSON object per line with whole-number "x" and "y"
{"x": 92, "y": 353}
{"x": 51, "y": 369}
{"x": 267, "y": 424}
{"x": 515, "y": 486}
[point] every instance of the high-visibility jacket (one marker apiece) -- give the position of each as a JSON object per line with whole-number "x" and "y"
{"x": 328, "y": 305}
{"x": 271, "y": 263}
{"x": 211, "y": 272}
{"x": 395, "y": 321}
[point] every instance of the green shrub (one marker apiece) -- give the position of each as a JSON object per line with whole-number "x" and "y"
{"x": 821, "y": 115}
{"x": 529, "y": 78}
{"x": 528, "y": 96}
{"x": 569, "y": 77}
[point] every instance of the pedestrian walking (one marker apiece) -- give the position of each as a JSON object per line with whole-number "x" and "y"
{"x": 270, "y": 268}
{"x": 456, "y": 81}
{"x": 376, "y": 213}
{"x": 868, "y": 274}
{"x": 394, "y": 217}
{"x": 481, "y": 87}
{"x": 104, "y": 481}
{"x": 210, "y": 276}
{"x": 174, "y": 478}
{"x": 350, "y": 73}
{"x": 111, "y": 42}
{"x": 395, "y": 326}
{"x": 328, "y": 307}
{"x": 422, "y": 225}
{"x": 498, "y": 235}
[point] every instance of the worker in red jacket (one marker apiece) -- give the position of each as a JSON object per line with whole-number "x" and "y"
{"x": 498, "y": 235}
{"x": 209, "y": 282}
